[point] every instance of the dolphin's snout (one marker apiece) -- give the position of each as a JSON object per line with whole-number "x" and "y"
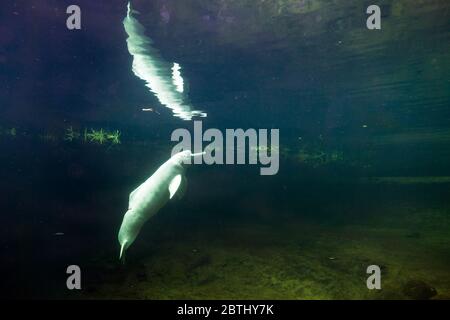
{"x": 123, "y": 248}
{"x": 198, "y": 154}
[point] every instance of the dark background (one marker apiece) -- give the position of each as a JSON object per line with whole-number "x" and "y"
{"x": 309, "y": 68}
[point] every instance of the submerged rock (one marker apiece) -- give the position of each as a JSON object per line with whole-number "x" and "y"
{"x": 419, "y": 290}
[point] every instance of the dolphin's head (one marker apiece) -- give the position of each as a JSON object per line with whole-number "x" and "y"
{"x": 184, "y": 157}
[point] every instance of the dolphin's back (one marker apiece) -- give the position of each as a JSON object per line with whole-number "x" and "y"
{"x": 154, "y": 192}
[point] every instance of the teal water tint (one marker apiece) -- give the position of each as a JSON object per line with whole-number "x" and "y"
{"x": 364, "y": 175}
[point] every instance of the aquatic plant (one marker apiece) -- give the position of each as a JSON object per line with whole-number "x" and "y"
{"x": 13, "y": 132}
{"x": 265, "y": 148}
{"x": 48, "y": 137}
{"x": 114, "y": 137}
{"x": 97, "y": 136}
{"x": 318, "y": 157}
{"x": 71, "y": 134}
{"x": 85, "y": 135}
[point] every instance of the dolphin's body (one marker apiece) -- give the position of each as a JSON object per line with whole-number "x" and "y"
{"x": 161, "y": 77}
{"x": 152, "y": 195}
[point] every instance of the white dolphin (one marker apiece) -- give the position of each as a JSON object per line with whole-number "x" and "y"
{"x": 152, "y": 195}
{"x": 161, "y": 77}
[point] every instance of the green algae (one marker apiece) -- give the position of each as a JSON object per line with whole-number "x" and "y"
{"x": 319, "y": 157}
{"x": 71, "y": 134}
{"x": 114, "y": 137}
{"x": 101, "y": 136}
{"x": 296, "y": 260}
{"x": 48, "y": 137}
{"x": 97, "y": 136}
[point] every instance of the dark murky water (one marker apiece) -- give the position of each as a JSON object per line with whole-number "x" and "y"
{"x": 364, "y": 123}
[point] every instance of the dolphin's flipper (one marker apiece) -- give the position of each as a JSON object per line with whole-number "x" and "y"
{"x": 174, "y": 185}
{"x": 182, "y": 189}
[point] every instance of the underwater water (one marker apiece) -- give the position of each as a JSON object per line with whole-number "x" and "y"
{"x": 364, "y": 148}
